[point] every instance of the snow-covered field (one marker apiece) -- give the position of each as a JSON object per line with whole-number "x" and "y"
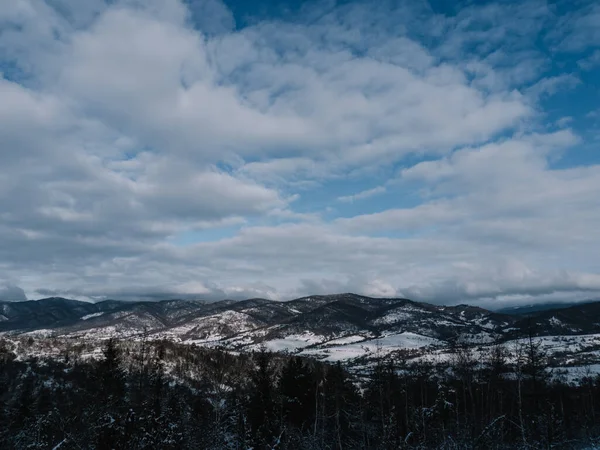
{"x": 291, "y": 343}
{"x": 91, "y": 316}
{"x": 573, "y": 357}
{"x": 353, "y": 347}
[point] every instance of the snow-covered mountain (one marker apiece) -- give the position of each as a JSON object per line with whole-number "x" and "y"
{"x": 344, "y": 327}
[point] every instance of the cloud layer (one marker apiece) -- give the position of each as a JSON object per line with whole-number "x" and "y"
{"x": 160, "y": 149}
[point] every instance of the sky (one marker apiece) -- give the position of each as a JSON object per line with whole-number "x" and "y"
{"x": 442, "y": 151}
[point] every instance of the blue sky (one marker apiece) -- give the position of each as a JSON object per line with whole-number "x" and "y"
{"x": 443, "y": 151}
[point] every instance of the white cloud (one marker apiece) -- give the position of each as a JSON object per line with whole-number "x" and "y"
{"x": 551, "y": 85}
{"x": 578, "y": 29}
{"x": 363, "y": 194}
{"x": 590, "y": 61}
{"x": 126, "y": 124}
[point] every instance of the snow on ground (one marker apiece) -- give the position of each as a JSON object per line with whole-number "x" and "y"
{"x": 341, "y": 353}
{"x": 575, "y": 374}
{"x": 248, "y": 337}
{"x": 571, "y": 351}
{"x": 345, "y": 340}
{"x": 393, "y": 317}
{"x": 559, "y": 344}
{"x": 290, "y": 343}
{"x": 485, "y": 322}
{"x": 372, "y": 347}
{"x": 209, "y": 339}
{"x": 89, "y": 316}
{"x": 480, "y": 338}
{"x": 119, "y": 331}
{"x": 176, "y": 332}
{"x": 41, "y": 333}
{"x": 407, "y": 340}
{"x": 211, "y": 328}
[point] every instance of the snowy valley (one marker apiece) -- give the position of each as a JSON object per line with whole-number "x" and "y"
{"x": 348, "y": 328}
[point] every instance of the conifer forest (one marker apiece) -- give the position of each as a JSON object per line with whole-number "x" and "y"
{"x": 162, "y": 395}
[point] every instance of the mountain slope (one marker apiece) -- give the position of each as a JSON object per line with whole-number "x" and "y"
{"x": 334, "y": 327}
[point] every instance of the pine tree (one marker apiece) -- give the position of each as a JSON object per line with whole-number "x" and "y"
{"x": 112, "y": 384}
{"x": 296, "y": 386}
{"x": 342, "y": 399}
{"x": 261, "y": 410}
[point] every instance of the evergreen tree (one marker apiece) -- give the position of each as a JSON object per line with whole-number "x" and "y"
{"x": 261, "y": 410}
{"x": 296, "y": 386}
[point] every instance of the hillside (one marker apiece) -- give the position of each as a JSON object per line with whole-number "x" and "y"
{"x": 346, "y": 327}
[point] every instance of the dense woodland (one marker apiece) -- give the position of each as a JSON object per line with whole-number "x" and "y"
{"x": 149, "y": 394}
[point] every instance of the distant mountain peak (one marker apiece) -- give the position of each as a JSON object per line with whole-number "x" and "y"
{"x": 347, "y": 325}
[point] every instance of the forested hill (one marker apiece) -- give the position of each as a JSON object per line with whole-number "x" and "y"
{"x": 322, "y": 372}
{"x": 324, "y": 316}
{"x": 347, "y": 327}
{"x": 142, "y": 394}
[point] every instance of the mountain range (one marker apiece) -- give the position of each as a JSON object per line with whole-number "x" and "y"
{"x": 343, "y": 327}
